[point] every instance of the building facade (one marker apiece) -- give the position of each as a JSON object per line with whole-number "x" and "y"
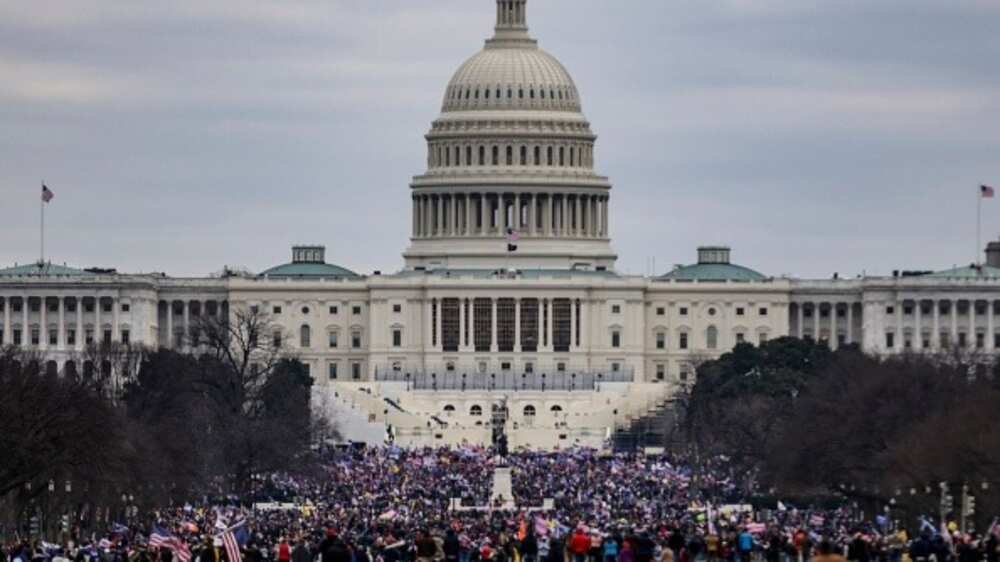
{"x": 508, "y": 289}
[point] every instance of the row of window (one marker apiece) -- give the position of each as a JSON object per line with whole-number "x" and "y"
{"x": 477, "y": 411}
{"x": 70, "y": 306}
{"x": 944, "y": 338}
{"x": 333, "y": 310}
{"x": 712, "y": 311}
{"x": 500, "y": 93}
{"x": 578, "y": 155}
{"x": 33, "y": 336}
{"x": 711, "y": 339}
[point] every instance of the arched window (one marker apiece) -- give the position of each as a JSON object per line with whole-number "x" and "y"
{"x": 520, "y": 93}
{"x": 510, "y": 93}
{"x": 543, "y": 93}
{"x": 468, "y": 156}
{"x": 70, "y": 369}
{"x": 51, "y": 368}
{"x": 458, "y": 156}
{"x": 538, "y": 156}
{"x": 510, "y": 155}
{"x": 486, "y": 92}
{"x": 447, "y": 156}
{"x": 712, "y": 337}
{"x": 529, "y": 411}
{"x": 482, "y": 155}
{"x": 476, "y": 410}
{"x": 496, "y": 155}
{"x": 556, "y": 409}
{"x": 524, "y": 155}
{"x": 448, "y": 409}
{"x": 572, "y": 156}
{"x": 88, "y": 370}
{"x": 550, "y": 156}
{"x": 305, "y": 336}
{"x": 477, "y": 93}
{"x": 562, "y": 156}
{"x": 532, "y": 92}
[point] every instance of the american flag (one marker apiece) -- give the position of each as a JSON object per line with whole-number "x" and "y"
{"x": 161, "y": 538}
{"x": 47, "y": 194}
{"x": 232, "y": 546}
{"x": 987, "y": 192}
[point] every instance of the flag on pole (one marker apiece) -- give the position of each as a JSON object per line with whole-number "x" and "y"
{"x": 161, "y": 538}
{"x": 232, "y": 547}
{"x": 512, "y": 238}
{"x": 987, "y": 192}
{"x": 47, "y": 194}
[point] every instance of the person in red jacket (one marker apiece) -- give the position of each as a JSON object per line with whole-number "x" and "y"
{"x": 284, "y": 551}
{"x": 579, "y": 545}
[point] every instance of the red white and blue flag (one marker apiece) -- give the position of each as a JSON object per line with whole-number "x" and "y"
{"x": 987, "y": 192}
{"x": 161, "y": 538}
{"x": 47, "y": 194}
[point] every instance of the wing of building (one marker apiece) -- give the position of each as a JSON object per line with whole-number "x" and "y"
{"x": 508, "y": 309}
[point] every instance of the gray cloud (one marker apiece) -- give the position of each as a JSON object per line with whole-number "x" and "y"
{"x": 813, "y": 136}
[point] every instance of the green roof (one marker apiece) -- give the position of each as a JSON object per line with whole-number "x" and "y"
{"x": 310, "y": 270}
{"x": 968, "y": 272}
{"x": 42, "y": 269}
{"x": 714, "y": 272}
{"x": 492, "y": 273}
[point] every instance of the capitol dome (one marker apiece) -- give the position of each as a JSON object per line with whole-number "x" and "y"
{"x": 512, "y": 76}
{"x": 510, "y": 158}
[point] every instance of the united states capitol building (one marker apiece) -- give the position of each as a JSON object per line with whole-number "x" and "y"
{"x": 572, "y": 348}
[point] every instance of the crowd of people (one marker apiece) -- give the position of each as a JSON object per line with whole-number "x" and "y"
{"x": 393, "y": 505}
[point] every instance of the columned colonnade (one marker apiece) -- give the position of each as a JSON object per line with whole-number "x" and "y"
{"x": 564, "y": 215}
{"x": 64, "y": 322}
{"x": 178, "y": 319}
{"x": 909, "y": 323}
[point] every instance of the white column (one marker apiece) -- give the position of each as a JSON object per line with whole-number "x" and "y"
{"x": 43, "y": 326}
{"x": 25, "y": 331}
{"x": 170, "y": 324}
{"x": 990, "y": 337}
{"x": 834, "y": 337}
{"x": 440, "y": 228}
{"x": 972, "y": 324}
{"x": 187, "y": 322}
{"x": 572, "y": 323}
{"x": 532, "y": 223}
{"x": 541, "y": 327}
{"x": 936, "y": 335}
{"x": 918, "y": 342}
{"x": 79, "y": 323}
{"x": 548, "y": 326}
{"x": 900, "y": 337}
{"x": 799, "y": 328}
{"x": 468, "y": 230}
{"x": 517, "y": 212}
{"x": 563, "y": 229}
{"x": 579, "y": 217}
{"x": 472, "y": 324}
{"x": 62, "y": 323}
{"x": 6, "y": 322}
{"x": 517, "y": 325}
{"x": 115, "y": 309}
{"x": 816, "y": 311}
{"x": 607, "y": 226}
{"x": 413, "y": 217}
{"x": 850, "y": 322}
{"x": 494, "y": 347}
{"x": 98, "y": 329}
{"x": 482, "y": 213}
{"x": 954, "y": 323}
{"x": 440, "y": 321}
{"x": 461, "y": 324}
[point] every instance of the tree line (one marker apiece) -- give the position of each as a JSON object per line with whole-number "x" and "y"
{"x": 896, "y": 434}
{"x": 149, "y": 428}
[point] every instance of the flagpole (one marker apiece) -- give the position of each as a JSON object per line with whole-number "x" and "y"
{"x": 979, "y": 223}
{"x": 42, "y": 231}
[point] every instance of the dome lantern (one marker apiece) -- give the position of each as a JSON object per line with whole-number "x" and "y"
{"x": 512, "y": 24}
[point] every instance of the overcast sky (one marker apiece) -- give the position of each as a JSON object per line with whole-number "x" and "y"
{"x": 812, "y": 136}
